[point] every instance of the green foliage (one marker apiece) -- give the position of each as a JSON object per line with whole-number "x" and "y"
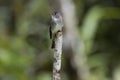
{"x": 25, "y": 54}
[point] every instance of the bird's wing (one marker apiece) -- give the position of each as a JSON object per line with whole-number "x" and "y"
{"x": 50, "y": 32}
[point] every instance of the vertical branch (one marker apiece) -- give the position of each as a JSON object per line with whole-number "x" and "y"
{"x": 57, "y": 56}
{"x": 72, "y": 40}
{"x": 55, "y": 7}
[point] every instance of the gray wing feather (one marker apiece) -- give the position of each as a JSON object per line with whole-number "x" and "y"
{"x": 50, "y": 32}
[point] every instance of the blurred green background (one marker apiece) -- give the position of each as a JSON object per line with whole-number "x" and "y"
{"x": 25, "y": 52}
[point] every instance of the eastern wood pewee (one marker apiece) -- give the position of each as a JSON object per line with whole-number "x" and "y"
{"x": 56, "y": 26}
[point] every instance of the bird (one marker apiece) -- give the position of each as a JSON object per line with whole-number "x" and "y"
{"x": 56, "y": 25}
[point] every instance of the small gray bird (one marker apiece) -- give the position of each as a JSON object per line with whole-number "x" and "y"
{"x": 56, "y": 26}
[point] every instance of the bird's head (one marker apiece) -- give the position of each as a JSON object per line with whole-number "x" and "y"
{"x": 56, "y": 18}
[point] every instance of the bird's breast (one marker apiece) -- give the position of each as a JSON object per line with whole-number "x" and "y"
{"x": 56, "y": 28}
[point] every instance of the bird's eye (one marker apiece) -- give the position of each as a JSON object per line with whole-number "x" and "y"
{"x": 55, "y": 13}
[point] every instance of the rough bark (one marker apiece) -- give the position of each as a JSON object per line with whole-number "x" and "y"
{"x": 57, "y": 57}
